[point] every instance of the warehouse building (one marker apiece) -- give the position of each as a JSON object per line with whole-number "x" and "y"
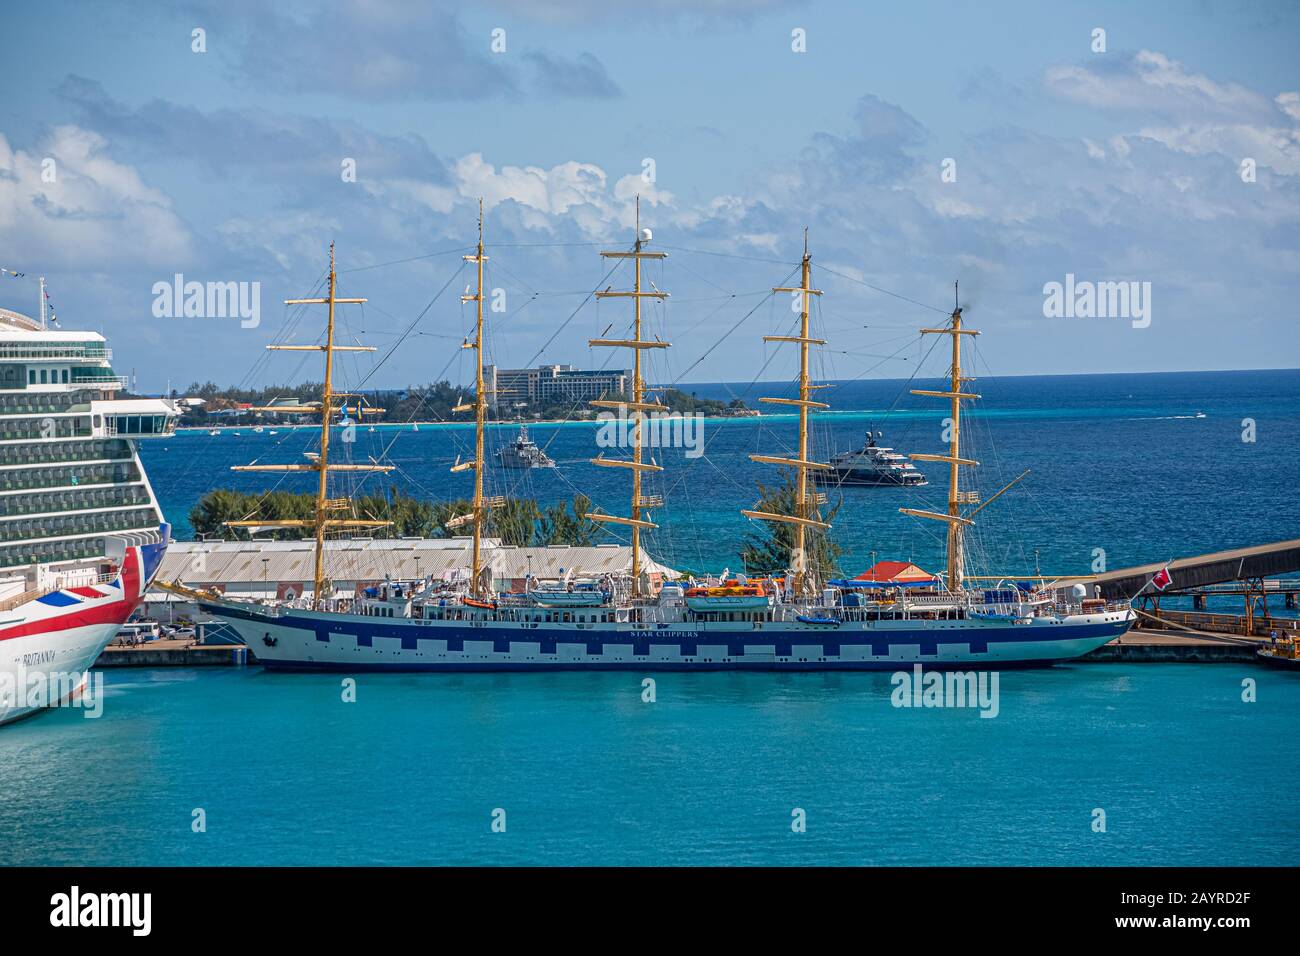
{"x": 284, "y": 569}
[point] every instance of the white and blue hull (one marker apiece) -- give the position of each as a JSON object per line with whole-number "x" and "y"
{"x": 307, "y": 640}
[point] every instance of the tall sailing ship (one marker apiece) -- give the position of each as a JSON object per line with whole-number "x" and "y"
{"x": 81, "y": 533}
{"x": 795, "y": 621}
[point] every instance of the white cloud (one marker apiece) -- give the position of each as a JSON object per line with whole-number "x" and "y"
{"x": 289, "y": 240}
{"x": 577, "y": 190}
{"x": 1272, "y": 147}
{"x": 1289, "y": 103}
{"x": 767, "y": 241}
{"x": 439, "y": 199}
{"x": 554, "y": 191}
{"x": 96, "y": 213}
{"x": 1153, "y": 82}
{"x": 1208, "y": 117}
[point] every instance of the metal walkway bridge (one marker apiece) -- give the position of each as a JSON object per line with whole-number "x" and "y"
{"x": 1222, "y": 567}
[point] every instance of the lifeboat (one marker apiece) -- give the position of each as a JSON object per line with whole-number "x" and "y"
{"x": 583, "y": 594}
{"x": 818, "y": 621}
{"x": 730, "y": 595}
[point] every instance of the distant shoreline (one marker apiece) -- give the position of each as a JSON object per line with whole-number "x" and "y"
{"x": 267, "y": 426}
{"x": 854, "y": 381}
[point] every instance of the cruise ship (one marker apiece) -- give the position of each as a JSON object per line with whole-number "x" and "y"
{"x": 792, "y": 619}
{"x": 81, "y": 533}
{"x": 872, "y": 465}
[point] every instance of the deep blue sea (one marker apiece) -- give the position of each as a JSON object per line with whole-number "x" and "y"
{"x": 1117, "y": 462}
{"x": 286, "y": 772}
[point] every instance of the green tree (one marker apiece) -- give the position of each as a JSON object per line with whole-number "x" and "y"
{"x": 409, "y": 516}
{"x": 518, "y": 521}
{"x": 768, "y": 552}
{"x": 514, "y": 521}
{"x": 559, "y": 525}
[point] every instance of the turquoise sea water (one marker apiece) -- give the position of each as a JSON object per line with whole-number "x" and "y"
{"x": 286, "y": 772}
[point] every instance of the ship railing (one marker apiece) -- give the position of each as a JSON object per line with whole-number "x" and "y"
{"x": 106, "y": 381}
{"x": 34, "y": 594}
{"x": 1068, "y": 608}
{"x": 8, "y": 604}
{"x": 932, "y": 600}
{"x": 55, "y": 352}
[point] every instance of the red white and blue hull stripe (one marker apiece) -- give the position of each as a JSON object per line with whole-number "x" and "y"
{"x": 57, "y": 637}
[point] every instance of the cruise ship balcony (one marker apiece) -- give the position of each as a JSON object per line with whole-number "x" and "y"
{"x": 54, "y": 351}
{"x": 65, "y": 452}
{"x": 92, "y": 523}
{"x": 37, "y": 429}
{"x": 102, "y": 377}
{"x": 83, "y": 477}
{"x": 54, "y": 503}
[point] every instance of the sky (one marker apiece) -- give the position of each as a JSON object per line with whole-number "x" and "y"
{"x": 1006, "y": 145}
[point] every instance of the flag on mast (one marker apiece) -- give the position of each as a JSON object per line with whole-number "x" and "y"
{"x": 1162, "y": 579}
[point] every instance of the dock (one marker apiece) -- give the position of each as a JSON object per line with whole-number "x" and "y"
{"x": 170, "y": 652}
{"x": 1154, "y": 646}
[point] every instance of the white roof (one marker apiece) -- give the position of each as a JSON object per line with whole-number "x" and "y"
{"x": 134, "y": 406}
{"x": 16, "y": 327}
{"x": 241, "y": 562}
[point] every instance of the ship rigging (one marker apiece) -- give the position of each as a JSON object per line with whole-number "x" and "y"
{"x": 628, "y": 620}
{"x": 639, "y": 405}
{"x": 807, "y": 499}
{"x": 319, "y": 462}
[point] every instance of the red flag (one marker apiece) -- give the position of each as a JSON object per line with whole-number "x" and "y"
{"x": 1162, "y": 579}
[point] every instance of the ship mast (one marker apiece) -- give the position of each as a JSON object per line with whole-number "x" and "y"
{"x": 324, "y": 505}
{"x": 956, "y": 497}
{"x": 480, "y": 506}
{"x": 638, "y": 406}
{"x": 805, "y": 502}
